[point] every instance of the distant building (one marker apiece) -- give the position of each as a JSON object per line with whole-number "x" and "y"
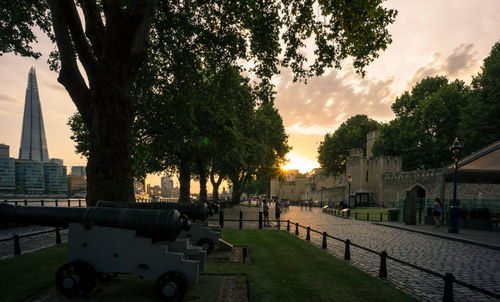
{"x": 55, "y": 178}
{"x": 76, "y": 184}
{"x": 379, "y": 180}
{"x": 33, "y": 141}
{"x": 167, "y": 186}
{"x": 78, "y": 171}
{"x": 290, "y": 186}
{"x": 33, "y": 172}
{"x": 7, "y": 171}
{"x": 30, "y": 178}
{"x": 4, "y": 150}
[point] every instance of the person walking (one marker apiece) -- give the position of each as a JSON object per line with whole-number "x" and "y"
{"x": 278, "y": 210}
{"x": 436, "y": 211}
{"x": 265, "y": 208}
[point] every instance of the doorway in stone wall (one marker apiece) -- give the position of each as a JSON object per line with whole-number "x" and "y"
{"x": 414, "y": 204}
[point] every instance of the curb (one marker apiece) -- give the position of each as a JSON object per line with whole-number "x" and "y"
{"x": 478, "y": 243}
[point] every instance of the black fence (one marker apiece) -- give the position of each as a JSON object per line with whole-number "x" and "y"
{"x": 358, "y": 215}
{"x": 50, "y": 202}
{"x": 448, "y": 278}
{"x": 17, "y": 243}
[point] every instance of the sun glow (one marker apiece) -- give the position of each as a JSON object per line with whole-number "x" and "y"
{"x": 296, "y": 162}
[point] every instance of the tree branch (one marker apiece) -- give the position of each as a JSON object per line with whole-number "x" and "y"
{"x": 128, "y": 27}
{"x": 69, "y": 75}
{"x": 94, "y": 27}
{"x": 79, "y": 39}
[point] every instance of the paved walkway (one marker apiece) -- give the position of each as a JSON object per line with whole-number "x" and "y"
{"x": 473, "y": 260}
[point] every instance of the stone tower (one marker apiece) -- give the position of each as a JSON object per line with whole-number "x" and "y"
{"x": 33, "y": 141}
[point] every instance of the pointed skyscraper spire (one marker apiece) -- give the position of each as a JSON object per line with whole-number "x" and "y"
{"x": 33, "y": 142}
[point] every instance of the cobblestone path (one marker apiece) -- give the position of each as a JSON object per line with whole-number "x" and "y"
{"x": 472, "y": 264}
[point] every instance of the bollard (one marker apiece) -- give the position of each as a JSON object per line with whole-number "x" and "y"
{"x": 368, "y": 216}
{"x": 241, "y": 220}
{"x": 297, "y": 229}
{"x": 448, "y": 287}
{"x": 260, "y": 220}
{"x": 41, "y": 203}
{"x": 347, "y": 254}
{"x": 79, "y": 203}
{"x": 383, "y": 265}
{"x": 380, "y": 216}
{"x": 58, "y": 236}
{"x": 15, "y": 202}
{"x": 356, "y": 215}
{"x": 69, "y": 203}
{"x": 17, "y": 246}
{"x": 324, "y": 241}
{"x": 57, "y": 203}
{"x": 279, "y": 225}
{"x": 25, "y": 202}
{"x": 308, "y": 235}
{"x": 288, "y": 225}
{"x": 342, "y": 213}
{"x": 221, "y": 218}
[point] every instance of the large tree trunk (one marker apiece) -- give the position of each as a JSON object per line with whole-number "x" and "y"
{"x": 111, "y": 49}
{"x": 109, "y": 168}
{"x": 184, "y": 180}
{"x": 203, "y": 185}
{"x": 235, "y": 198}
{"x": 215, "y": 186}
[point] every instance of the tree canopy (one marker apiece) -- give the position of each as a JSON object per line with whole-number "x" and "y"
{"x": 479, "y": 121}
{"x": 435, "y": 111}
{"x": 333, "y": 151}
{"x": 113, "y": 42}
{"x": 426, "y": 123}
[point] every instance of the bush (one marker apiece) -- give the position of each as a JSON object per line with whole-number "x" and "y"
{"x": 393, "y": 214}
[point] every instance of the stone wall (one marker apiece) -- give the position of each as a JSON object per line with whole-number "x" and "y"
{"x": 395, "y": 185}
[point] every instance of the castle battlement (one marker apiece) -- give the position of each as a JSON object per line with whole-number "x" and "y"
{"x": 412, "y": 175}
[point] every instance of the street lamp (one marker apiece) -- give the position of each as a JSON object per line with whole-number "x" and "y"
{"x": 455, "y": 149}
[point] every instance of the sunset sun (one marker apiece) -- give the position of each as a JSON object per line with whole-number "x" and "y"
{"x": 296, "y": 162}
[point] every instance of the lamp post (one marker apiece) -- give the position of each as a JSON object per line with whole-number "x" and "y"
{"x": 455, "y": 149}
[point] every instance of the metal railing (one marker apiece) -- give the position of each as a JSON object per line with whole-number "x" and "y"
{"x": 357, "y": 215}
{"x": 448, "y": 278}
{"x": 17, "y": 243}
{"x": 55, "y": 202}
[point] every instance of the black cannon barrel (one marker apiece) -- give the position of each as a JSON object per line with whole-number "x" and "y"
{"x": 156, "y": 224}
{"x": 192, "y": 211}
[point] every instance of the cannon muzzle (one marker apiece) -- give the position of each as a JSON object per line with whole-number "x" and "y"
{"x": 151, "y": 223}
{"x": 192, "y": 211}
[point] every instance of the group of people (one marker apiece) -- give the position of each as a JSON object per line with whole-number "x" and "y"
{"x": 277, "y": 210}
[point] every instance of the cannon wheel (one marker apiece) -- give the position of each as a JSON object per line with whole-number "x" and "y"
{"x": 172, "y": 286}
{"x": 76, "y": 279}
{"x": 207, "y": 244}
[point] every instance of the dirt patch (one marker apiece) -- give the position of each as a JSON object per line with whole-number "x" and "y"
{"x": 235, "y": 289}
{"x": 234, "y": 255}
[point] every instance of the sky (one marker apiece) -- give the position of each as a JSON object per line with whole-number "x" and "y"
{"x": 449, "y": 38}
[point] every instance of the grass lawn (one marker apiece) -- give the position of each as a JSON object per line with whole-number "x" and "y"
{"x": 285, "y": 268}
{"x": 25, "y": 275}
